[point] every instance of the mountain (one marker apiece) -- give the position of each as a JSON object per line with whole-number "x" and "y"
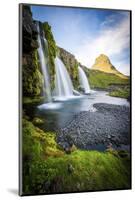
{"x": 103, "y": 63}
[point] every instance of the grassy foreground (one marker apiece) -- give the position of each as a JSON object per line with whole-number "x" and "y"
{"x": 48, "y": 169}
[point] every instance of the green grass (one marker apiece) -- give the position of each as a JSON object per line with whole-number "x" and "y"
{"x": 48, "y": 169}
{"x": 100, "y": 80}
{"x": 91, "y": 170}
{"x": 103, "y": 80}
{"x": 121, "y": 92}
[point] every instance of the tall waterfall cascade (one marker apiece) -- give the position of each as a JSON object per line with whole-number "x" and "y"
{"x": 63, "y": 83}
{"x": 43, "y": 57}
{"x": 83, "y": 80}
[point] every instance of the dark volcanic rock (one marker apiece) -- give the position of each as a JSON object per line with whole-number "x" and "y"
{"x": 110, "y": 124}
{"x": 29, "y": 30}
{"x": 31, "y": 73}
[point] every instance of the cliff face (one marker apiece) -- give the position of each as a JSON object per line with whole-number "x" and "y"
{"x": 52, "y": 51}
{"x": 71, "y": 64}
{"x": 31, "y": 70}
{"x": 103, "y": 63}
{"x": 31, "y": 74}
{"x": 29, "y": 30}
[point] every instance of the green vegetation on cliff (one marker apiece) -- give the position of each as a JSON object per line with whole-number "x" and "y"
{"x": 31, "y": 75}
{"x": 47, "y": 169}
{"x": 31, "y": 70}
{"x": 71, "y": 64}
{"x": 32, "y": 79}
{"x": 52, "y": 50}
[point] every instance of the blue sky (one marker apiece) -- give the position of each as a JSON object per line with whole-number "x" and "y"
{"x": 87, "y": 33}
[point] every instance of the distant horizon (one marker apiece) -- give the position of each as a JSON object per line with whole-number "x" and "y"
{"x": 87, "y": 33}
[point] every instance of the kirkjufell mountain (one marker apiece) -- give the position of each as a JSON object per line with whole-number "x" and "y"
{"x": 103, "y": 63}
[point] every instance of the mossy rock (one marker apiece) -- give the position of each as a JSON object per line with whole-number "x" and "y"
{"x": 37, "y": 121}
{"x": 37, "y": 143}
{"x": 52, "y": 51}
{"x": 31, "y": 75}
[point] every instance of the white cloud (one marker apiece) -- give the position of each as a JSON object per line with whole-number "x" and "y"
{"x": 111, "y": 41}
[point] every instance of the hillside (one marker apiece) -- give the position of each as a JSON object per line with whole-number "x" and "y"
{"x": 114, "y": 84}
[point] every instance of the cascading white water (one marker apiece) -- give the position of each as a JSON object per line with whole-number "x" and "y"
{"x": 43, "y": 57}
{"x": 63, "y": 83}
{"x": 83, "y": 80}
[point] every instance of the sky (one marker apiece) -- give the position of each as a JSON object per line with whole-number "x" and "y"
{"x": 87, "y": 33}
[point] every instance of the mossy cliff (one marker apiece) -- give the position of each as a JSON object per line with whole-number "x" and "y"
{"x": 31, "y": 75}
{"x": 52, "y": 50}
{"x": 31, "y": 71}
{"x": 71, "y": 64}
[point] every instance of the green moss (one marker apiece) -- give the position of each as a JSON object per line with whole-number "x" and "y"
{"x": 35, "y": 139}
{"x": 73, "y": 72}
{"x": 31, "y": 75}
{"x": 47, "y": 169}
{"x": 52, "y": 50}
{"x": 31, "y": 146}
{"x": 37, "y": 121}
{"x": 121, "y": 92}
{"x": 75, "y": 76}
{"x": 37, "y": 145}
{"x": 91, "y": 170}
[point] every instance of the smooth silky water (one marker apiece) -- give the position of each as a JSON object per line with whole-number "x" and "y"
{"x": 63, "y": 83}
{"x": 43, "y": 58}
{"x": 84, "y": 81}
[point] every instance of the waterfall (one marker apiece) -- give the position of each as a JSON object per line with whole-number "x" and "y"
{"x": 43, "y": 57}
{"x": 83, "y": 80}
{"x": 63, "y": 83}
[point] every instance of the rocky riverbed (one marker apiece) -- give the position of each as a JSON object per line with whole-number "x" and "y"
{"x": 109, "y": 125}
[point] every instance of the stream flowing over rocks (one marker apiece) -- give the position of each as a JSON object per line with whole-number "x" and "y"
{"x": 109, "y": 125}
